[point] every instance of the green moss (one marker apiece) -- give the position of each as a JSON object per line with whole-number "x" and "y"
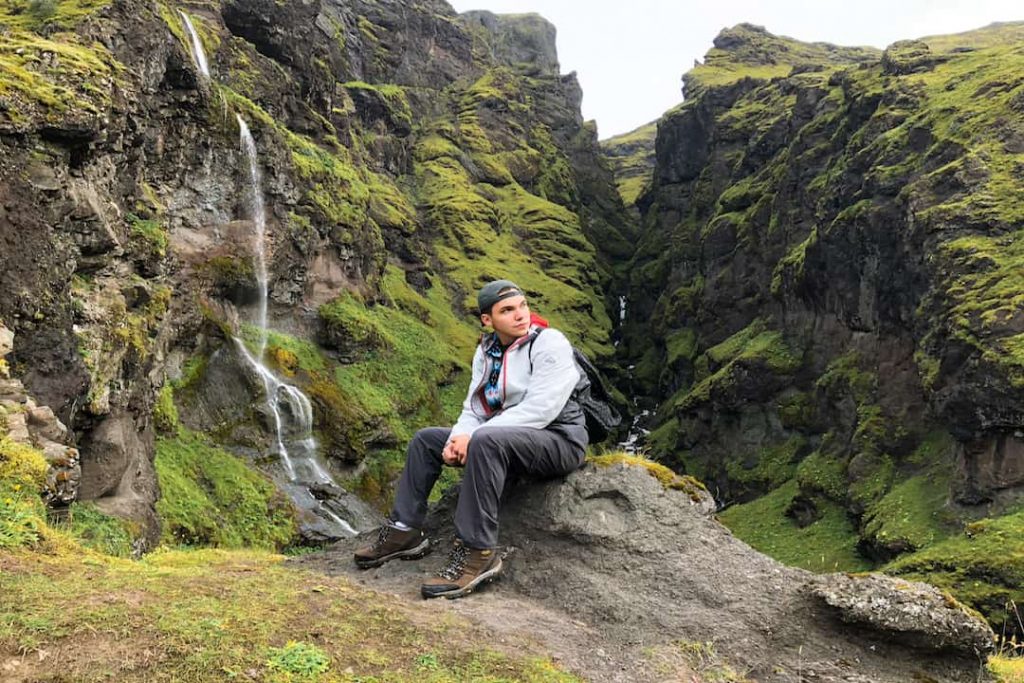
{"x": 796, "y": 410}
{"x": 873, "y": 484}
{"x": 631, "y": 157}
{"x": 392, "y": 96}
{"x": 165, "y": 412}
{"x": 769, "y": 468}
{"x": 822, "y": 473}
{"x": 791, "y": 267}
{"x": 348, "y": 318}
{"x": 844, "y": 375}
{"x": 911, "y": 513}
{"x": 51, "y": 14}
{"x": 668, "y": 479}
{"x": 680, "y": 345}
{"x": 826, "y": 545}
{"x": 664, "y": 440}
{"x": 983, "y": 567}
{"x": 210, "y": 497}
{"x": 77, "y": 83}
{"x": 754, "y": 347}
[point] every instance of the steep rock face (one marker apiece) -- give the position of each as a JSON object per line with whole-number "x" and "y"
{"x": 408, "y": 155}
{"x": 827, "y": 269}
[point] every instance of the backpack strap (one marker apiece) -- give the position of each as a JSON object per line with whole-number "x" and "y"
{"x": 529, "y": 348}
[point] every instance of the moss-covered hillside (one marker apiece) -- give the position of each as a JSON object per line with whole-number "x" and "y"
{"x": 631, "y": 157}
{"x": 408, "y": 154}
{"x": 825, "y": 298}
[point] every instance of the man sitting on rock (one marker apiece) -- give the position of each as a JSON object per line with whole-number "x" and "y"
{"x": 518, "y": 418}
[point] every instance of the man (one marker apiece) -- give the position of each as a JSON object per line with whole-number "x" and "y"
{"x": 518, "y": 418}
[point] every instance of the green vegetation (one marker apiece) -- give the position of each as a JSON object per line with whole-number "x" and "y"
{"x": 631, "y": 157}
{"x": 214, "y": 615}
{"x": 22, "y": 475}
{"x": 212, "y": 498}
{"x": 152, "y": 235}
{"x": 99, "y": 531}
{"x": 983, "y": 567}
{"x": 668, "y": 479}
{"x": 909, "y": 515}
{"x": 827, "y": 544}
{"x": 37, "y": 14}
{"x": 298, "y": 660}
{"x": 756, "y": 54}
{"x": 770, "y": 468}
{"x": 754, "y": 348}
{"x": 1006, "y": 669}
{"x": 76, "y": 84}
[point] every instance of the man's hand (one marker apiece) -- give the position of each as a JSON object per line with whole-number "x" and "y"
{"x": 455, "y": 450}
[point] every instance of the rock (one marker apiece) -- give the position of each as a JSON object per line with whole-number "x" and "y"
{"x": 6, "y": 341}
{"x": 643, "y": 563}
{"x": 118, "y": 474}
{"x": 45, "y": 424}
{"x": 916, "y": 613}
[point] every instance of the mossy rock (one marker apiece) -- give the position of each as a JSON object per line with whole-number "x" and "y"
{"x": 693, "y": 487}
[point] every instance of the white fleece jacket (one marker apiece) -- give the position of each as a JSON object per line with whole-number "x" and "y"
{"x": 530, "y": 397}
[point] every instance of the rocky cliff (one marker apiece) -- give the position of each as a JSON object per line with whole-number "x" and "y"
{"x": 825, "y": 298}
{"x": 408, "y": 154}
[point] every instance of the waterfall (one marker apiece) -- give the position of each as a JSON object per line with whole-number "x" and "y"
{"x": 290, "y": 409}
{"x": 197, "y": 46}
{"x": 259, "y": 219}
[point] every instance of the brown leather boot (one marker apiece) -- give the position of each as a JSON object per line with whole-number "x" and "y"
{"x": 466, "y": 569}
{"x": 392, "y": 543}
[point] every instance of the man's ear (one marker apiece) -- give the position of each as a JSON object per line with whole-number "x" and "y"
{"x": 485, "y": 319}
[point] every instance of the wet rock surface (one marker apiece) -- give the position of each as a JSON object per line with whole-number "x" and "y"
{"x": 642, "y": 565}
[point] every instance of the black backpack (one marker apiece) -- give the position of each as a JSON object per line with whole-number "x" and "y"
{"x": 592, "y": 396}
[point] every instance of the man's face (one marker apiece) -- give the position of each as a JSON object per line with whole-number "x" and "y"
{"x": 510, "y": 318}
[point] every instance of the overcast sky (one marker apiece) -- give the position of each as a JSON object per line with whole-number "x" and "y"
{"x": 630, "y": 54}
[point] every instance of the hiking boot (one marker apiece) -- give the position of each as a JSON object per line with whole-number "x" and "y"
{"x": 467, "y": 568}
{"x": 392, "y": 542}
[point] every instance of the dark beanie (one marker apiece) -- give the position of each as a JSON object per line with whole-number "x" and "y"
{"x": 490, "y": 294}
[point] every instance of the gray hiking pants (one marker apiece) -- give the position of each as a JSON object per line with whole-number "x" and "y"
{"x": 494, "y": 454}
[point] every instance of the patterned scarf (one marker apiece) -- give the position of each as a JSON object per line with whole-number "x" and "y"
{"x": 492, "y": 392}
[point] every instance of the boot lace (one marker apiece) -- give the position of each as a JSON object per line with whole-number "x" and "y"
{"x": 456, "y": 563}
{"x": 382, "y": 536}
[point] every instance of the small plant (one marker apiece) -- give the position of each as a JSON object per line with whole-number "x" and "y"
{"x": 298, "y": 659}
{"x": 428, "y": 662}
{"x": 41, "y": 10}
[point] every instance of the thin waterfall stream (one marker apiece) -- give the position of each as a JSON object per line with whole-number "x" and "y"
{"x": 197, "y": 46}
{"x": 291, "y": 412}
{"x": 290, "y": 409}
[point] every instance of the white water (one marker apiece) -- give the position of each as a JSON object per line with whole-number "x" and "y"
{"x": 197, "y": 47}
{"x": 291, "y": 410}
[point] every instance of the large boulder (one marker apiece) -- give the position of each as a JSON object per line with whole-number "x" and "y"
{"x": 642, "y": 559}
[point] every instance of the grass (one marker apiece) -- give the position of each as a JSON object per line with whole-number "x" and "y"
{"x": 77, "y": 84}
{"x": 214, "y": 615}
{"x": 826, "y": 545}
{"x": 983, "y": 567}
{"x": 212, "y": 498}
{"x": 1006, "y": 669}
